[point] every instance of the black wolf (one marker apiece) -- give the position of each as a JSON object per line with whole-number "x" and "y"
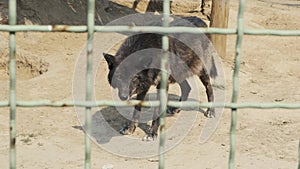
{"x": 136, "y": 75}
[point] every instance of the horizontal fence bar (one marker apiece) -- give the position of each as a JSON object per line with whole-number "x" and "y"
{"x": 144, "y": 29}
{"x": 185, "y": 104}
{"x": 272, "y": 32}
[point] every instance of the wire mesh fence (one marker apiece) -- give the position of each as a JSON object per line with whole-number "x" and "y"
{"x": 90, "y": 28}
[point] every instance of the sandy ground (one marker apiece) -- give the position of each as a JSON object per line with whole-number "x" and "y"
{"x": 52, "y": 137}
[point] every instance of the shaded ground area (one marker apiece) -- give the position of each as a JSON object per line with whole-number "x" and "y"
{"x": 73, "y": 12}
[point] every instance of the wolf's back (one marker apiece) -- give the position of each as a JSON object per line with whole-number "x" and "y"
{"x": 199, "y": 43}
{"x": 190, "y": 47}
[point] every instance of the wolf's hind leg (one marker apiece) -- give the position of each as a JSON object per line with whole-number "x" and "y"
{"x": 204, "y": 77}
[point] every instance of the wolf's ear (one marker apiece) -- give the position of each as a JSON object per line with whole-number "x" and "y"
{"x": 110, "y": 59}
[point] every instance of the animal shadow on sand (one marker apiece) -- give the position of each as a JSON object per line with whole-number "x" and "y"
{"x": 108, "y": 121}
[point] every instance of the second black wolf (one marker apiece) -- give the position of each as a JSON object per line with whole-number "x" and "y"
{"x": 136, "y": 75}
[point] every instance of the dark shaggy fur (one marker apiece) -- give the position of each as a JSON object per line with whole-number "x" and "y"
{"x": 138, "y": 74}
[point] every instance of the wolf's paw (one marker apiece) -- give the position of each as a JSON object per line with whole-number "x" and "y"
{"x": 173, "y": 110}
{"x": 127, "y": 130}
{"x": 149, "y": 137}
{"x": 210, "y": 113}
{"x": 151, "y": 134}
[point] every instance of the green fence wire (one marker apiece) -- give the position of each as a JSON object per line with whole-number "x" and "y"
{"x": 163, "y": 86}
{"x": 299, "y": 155}
{"x": 12, "y": 83}
{"x": 183, "y": 104}
{"x": 89, "y": 78}
{"x": 235, "y": 86}
{"x": 12, "y": 103}
{"x": 144, "y": 29}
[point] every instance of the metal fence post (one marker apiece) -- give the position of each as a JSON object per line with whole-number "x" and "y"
{"x": 12, "y": 80}
{"x": 237, "y": 61}
{"x": 163, "y": 86}
{"x": 89, "y": 77}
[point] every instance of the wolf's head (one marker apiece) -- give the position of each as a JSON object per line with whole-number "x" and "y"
{"x": 116, "y": 79}
{"x": 127, "y": 75}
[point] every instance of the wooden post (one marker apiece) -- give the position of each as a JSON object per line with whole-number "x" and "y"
{"x": 219, "y": 19}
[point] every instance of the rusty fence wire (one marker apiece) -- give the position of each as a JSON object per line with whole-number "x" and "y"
{"x": 90, "y": 28}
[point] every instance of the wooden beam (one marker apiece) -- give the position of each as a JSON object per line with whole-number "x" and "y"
{"x": 219, "y": 19}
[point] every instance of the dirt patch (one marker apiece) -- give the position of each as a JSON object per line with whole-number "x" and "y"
{"x": 3, "y": 13}
{"x": 269, "y": 17}
{"x": 73, "y": 12}
{"x": 27, "y": 67}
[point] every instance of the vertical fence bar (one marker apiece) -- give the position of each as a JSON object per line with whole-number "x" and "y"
{"x": 240, "y": 32}
{"x": 91, "y": 25}
{"x": 12, "y": 83}
{"x": 163, "y": 86}
{"x": 299, "y": 155}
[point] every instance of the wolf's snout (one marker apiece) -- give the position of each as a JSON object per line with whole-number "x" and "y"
{"x": 123, "y": 96}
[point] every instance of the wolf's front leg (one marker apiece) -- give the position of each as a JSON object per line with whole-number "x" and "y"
{"x": 130, "y": 128}
{"x": 152, "y": 131}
